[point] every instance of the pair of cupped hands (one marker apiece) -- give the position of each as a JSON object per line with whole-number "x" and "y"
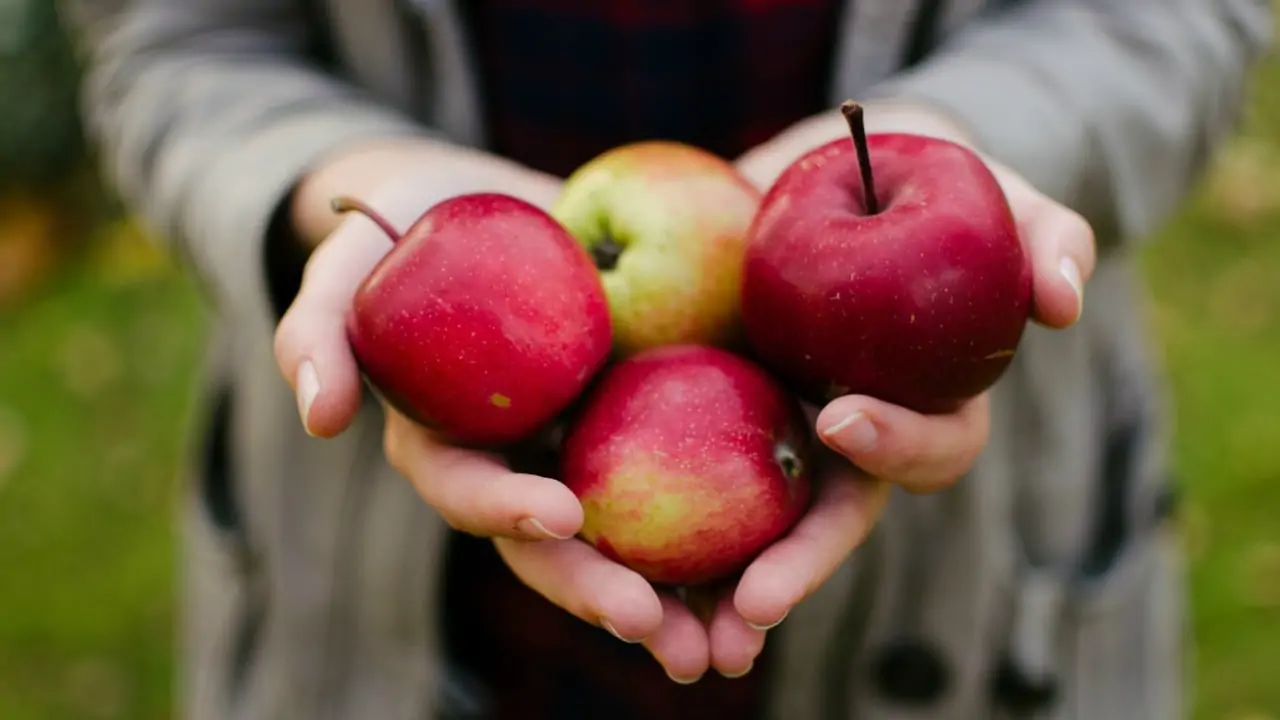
{"x": 871, "y": 445}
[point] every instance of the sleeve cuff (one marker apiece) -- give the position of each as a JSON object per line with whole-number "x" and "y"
{"x": 230, "y": 214}
{"x": 1028, "y": 136}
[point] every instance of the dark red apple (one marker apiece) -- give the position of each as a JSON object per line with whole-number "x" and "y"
{"x": 688, "y": 461}
{"x": 889, "y": 266}
{"x": 484, "y": 321}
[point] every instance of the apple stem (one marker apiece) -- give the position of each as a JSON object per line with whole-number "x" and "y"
{"x": 852, "y": 112}
{"x": 344, "y": 204}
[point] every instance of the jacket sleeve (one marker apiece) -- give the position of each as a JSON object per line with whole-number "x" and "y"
{"x": 207, "y": 112}
{"x": 1111, "y": 107}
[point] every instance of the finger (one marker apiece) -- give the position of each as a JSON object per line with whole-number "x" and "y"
{"x": 1062, "y": 250}
{"x": 578, "y": 579}
{"x": 475, "y": 492}
{"x": 735, "y": 645}
{"x": 311, "y": 345}
{"x": 680, "y": 644}
{"x": 922, "y": 453}
{"x": 1062, "y": 259}
{"x": 847, "y": 507}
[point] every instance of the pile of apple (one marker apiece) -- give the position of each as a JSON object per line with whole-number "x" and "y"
{"x": 671, "y": 320}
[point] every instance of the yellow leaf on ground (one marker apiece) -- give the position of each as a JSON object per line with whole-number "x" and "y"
{"x": 1262, "y": 576}
{"x": 27, "y": 247}
{"x": 1241, "y": 183}
{"x": 89, "y": 360}
{"x": 125, "y": 253}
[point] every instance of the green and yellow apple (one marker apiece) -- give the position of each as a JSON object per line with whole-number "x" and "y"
{"x": 665, "y": 223}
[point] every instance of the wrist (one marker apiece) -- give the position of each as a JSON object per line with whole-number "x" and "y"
{"x": 764, "y": 163}
{"x": 919, "y": 118}
{"x": 404, "y": 178}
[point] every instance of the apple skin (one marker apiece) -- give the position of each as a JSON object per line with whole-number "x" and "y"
{"x": 483, "y": 322}
{"x": 679, "y": 216}
{"x": 688, "y": 461}
{"x": 922, "y": 304}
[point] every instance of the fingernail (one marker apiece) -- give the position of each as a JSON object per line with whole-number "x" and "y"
{"x": 1071, "y": 272}
{"x": 308, "y": 383}
{"x": 683, "y": 681}
{"x": 614, "y": 632}
{"x": 855, "y": 434}
{"x": 531, "y": 527}
{"x": 775, "y": 624}
{"x": 735, "y": 676}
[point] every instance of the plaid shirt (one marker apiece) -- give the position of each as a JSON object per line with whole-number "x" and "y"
{"x": 724, "y": 75}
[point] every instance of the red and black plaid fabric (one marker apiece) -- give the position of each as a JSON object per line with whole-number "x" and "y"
{"x": 563, "y": 81}
{"x": 530, "y": 660}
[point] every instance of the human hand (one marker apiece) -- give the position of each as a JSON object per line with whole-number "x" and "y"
{"x": 882, "y": 444}
{"x": 532, "y": 519}
{"x": 400, "y": 180}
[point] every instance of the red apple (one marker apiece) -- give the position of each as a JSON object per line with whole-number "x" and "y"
{"x": 665, "y": 223}
{"x": 688, "y": 461}
{"x": 484, "y": 321}
{"x": 889, "y": 266}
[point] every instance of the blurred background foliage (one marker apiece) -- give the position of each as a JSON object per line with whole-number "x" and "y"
{"x": 100, "y": 336}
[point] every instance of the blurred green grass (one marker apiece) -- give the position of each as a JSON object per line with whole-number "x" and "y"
{"x": 95, "y": 389}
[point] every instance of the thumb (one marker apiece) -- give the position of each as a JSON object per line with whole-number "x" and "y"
{"x": 1061, "y": 246}
{"x": 311, "y": 344}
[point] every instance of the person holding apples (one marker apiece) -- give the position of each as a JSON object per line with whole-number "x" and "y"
{"x": 1006, "y": 558}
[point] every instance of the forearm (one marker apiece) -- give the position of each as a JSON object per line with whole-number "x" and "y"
{"x": 1110, "y": 108}
{"x": 208, "y": 113}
